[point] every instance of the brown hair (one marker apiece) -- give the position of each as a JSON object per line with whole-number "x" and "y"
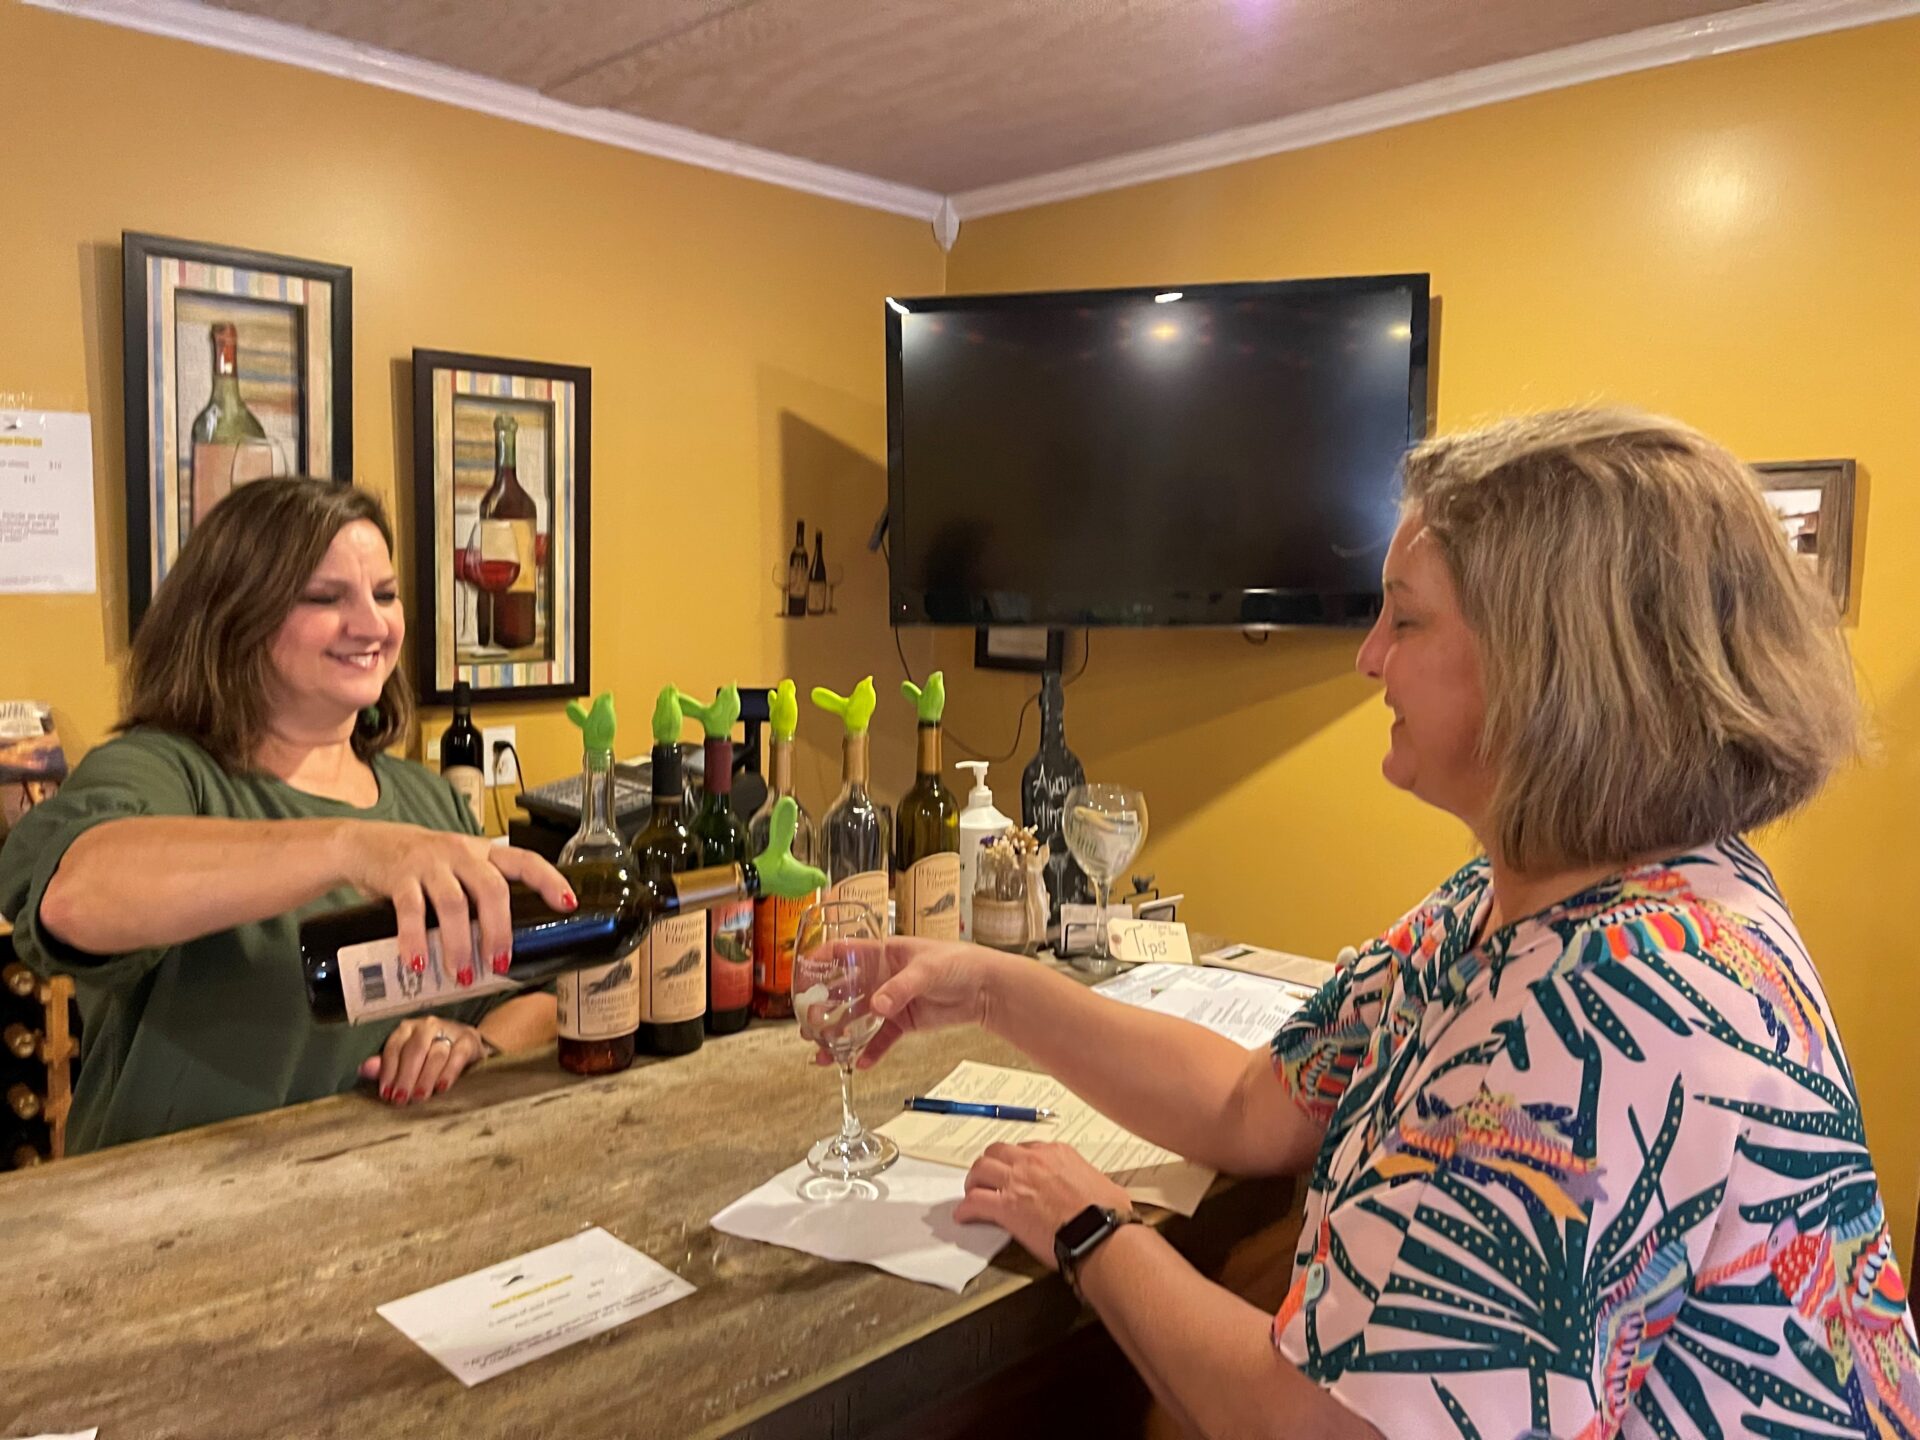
{"x": 201, "y": 664}
{"x": 1661, "y": 672}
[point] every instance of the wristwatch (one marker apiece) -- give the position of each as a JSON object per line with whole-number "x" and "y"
{"x": 1084, "y": 1234}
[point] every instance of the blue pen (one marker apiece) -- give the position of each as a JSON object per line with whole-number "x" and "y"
{"x": 985, "y": 1112}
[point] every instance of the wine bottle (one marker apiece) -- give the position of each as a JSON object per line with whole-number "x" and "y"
{"x": 17, "y": 979}
{"x": 1053, "y": 771}
{"x": 723, "y": 840}
{"x": 817, "y": 576}
{"x": 25, "y": 1157}
{"x": 24, "y": 1102}
{"x": 462, "y": 761}
{"x": 926, "y": 845}
{"x": 854, "y": 831}
{"x": 507, "y": 617}
{"x": 230, "y": 445}
{"x": 673, "y": 968}
{"x": 22, "y": 1041}
{"x": 351, "y": 960}
{"x": 797, "y": 570}
{"x": 776, "y": 920}
{"x": 599, "y": 1008}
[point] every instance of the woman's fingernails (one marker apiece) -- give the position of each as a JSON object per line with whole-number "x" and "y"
{"x": 441, "y": 1088}
{"x": 419, "y": 1094}
{"x": 386, "y": 1092}
{"x": 418, "y": 964}
{"x": 465, "y": 975}
{"x": 568, "y": 902}
{"x": 502, "y": 963}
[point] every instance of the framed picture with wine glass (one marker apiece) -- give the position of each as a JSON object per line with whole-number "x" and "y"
{"x": 238, "y": 365}
{"x": 502, "y": 476}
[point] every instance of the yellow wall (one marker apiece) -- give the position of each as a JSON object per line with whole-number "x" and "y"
{"x": 1731, "y": 241}
{"x": 733, "y": 329}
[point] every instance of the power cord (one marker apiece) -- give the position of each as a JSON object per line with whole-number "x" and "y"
{"x": 1020, "y": 729}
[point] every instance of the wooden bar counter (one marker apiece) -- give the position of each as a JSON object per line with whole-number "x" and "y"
{"x": 222, "y": 1282}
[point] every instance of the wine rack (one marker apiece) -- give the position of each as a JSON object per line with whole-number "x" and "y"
{"x": 37, "y": 1054}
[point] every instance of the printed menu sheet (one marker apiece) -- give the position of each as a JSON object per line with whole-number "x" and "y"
{"x": 46, "y": 502}
{"x": 1149, "y": 1173}
{"x": 1247, "y": 1009}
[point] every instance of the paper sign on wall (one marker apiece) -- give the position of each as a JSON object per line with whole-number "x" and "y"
{"x": 46, "y": 502}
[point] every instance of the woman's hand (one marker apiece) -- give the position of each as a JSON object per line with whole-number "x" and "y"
{"x": 935, "y": 984}
{"x": 1031, "y": 1190}
{"x": 422, "y": 1057}
{"x": 458, "y": 876}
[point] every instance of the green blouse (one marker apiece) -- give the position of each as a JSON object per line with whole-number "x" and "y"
{"x": 219, "y": 1026}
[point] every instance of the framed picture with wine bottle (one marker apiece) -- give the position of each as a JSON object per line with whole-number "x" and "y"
{"x": 502, "y": 477}
{"x": 238, "y": 365}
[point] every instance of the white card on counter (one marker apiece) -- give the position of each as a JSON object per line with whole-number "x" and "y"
{"x": 46, "y": 502}
{"x": 497, "y": 1319}
{"x": 1247, "y": 1009}
{"x": 1149, "y": 942}
{"x": 901, "y": 1221}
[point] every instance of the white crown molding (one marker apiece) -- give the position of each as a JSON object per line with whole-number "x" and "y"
{"x": 310, "y": 50}
{"x": 1764, "y": 24}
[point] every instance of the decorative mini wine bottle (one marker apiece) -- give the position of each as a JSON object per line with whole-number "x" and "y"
{"x": 926, "y": 847}
{"x": 853, "y": 834}
{"x": 776, "y": 920}
{"x": 599, "y": 1008}
{"x": 723, "y": 840}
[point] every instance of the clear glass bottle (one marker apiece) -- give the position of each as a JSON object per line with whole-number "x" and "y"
{"x": 599, "y": 1009}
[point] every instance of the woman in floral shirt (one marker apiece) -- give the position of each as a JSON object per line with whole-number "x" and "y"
{"x": 1586, "y": 1154}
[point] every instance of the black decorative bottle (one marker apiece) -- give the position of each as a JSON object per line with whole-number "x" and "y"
{"x": 1053, "y": 771}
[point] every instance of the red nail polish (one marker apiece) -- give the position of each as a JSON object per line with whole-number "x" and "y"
{"x": 502, "y": 963}
{"x": 465, "y": 977}
{"x": 386, "y": 1092}
{"x": 568, "y": 902}
{"x": 419, "y": 964}
{"x": 441, "y": 1088}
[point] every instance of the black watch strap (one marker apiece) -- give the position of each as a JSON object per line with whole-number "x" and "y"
{"x": 1085, "y": 1233}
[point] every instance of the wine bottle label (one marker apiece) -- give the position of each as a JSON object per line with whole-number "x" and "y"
{"x": 776, "y": 930}
{"x": 730, "y": 954}
{"x": 527, "y": 581}
{"x": 674, "y": 972}
{"x": 928, "y": 897}
{"x": 602, "y": 1003}
{"x": 869, "y": 887}
{"x": 377, "y": 983}
{"x": 471, "y": 786}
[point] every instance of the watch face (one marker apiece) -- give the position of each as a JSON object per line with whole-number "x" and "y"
{"x": 1081, "y": 1228}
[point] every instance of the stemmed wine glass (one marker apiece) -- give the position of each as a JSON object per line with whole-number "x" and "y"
{"x": 490, "y": 563}
{"x": 839, "y": 961}
{"x": 1104, "y": 827}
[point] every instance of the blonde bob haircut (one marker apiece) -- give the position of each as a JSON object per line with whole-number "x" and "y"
{"x": 202, "y": 665}
{"x": 1660, "y": 671}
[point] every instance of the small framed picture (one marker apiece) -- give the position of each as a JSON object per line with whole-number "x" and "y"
{"x": 1814, "y": 500}
{"x": 238, "y": 365}
{"x": 502, "y": 479}
{"x": 1018, "y": 647}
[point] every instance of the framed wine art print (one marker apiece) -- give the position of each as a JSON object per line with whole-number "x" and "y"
{"x": 238, "y": 366}
{"x": 502, "y": 474}
{"x": 1814, "y": 502}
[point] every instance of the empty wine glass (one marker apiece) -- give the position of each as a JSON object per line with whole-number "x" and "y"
{"x": 1104, "y": 827}
{"x": 839, "y": 961}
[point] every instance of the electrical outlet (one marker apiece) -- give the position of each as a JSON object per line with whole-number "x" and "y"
{"x": 500, "y": 762}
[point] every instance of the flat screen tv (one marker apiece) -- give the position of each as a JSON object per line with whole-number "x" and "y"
{"x": 1207, "y": 455}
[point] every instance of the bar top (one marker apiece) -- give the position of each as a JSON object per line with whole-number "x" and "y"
{"x": 223, "y": 1281}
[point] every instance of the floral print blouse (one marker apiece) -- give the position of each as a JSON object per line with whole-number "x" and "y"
{"x": 1602, "y": 1174}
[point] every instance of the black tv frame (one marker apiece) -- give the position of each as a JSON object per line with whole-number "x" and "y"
{"x": 1221, "y": 610}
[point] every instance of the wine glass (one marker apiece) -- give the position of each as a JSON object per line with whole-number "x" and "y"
{"x": 1104, "y": 827}
{"x": 839, "y": 961}
{"x": 490, "y": 563}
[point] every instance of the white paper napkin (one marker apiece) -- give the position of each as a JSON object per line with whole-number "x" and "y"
{"x": 906, "y": 1229}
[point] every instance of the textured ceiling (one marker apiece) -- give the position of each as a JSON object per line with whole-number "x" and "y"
{"x": 951, "y": 95}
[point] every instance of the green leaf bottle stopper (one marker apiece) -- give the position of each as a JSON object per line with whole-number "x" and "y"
{"x": 667, "y": 719}
{"x": 597, "y": 725}
{"x": 931, "y": 700}
{"x": 856, "y": 710}
{"x": 783, "y": 710}
{"x": 718, "y": 718}
{"x": 781, "y": 874}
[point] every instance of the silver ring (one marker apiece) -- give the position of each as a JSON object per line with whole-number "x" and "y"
{"x": 441, "y": 1039}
